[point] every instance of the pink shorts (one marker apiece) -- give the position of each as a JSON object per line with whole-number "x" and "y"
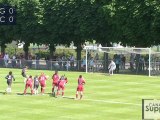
{"x": 80, "y": 88}
{"x": 28, "y": 86}
{"x": 61, "y": 87}
{"x": 43, "y": 85}
{"x": 55, "y": 83}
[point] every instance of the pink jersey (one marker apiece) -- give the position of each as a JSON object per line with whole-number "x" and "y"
{"x": 55, "y": 78}
{"x": 81, "y": 81}
{"x": 62, "y": 82}
{"x": 29, "y": 81}
{"x": 42, "y": 79}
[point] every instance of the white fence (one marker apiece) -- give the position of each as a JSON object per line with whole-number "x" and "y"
{"x": 98, "y": 66}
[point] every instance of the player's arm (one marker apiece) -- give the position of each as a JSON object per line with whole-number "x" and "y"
{"x": 66, "y": 81}
{"x": 26, "y": 80}
{"x": 53, "y": 77}
{"x": 26, "y": 71}
{"x": 32, "y": 83}
{"x": 13, "y": 77}
{"x": 6, "y": 77}
{"x": 84, "y": 82}
{"x": 78, "y": 81}
{"x": 39, "y": 79}
{"x": 109, "y": 66}
{"x": 47, "y": 77}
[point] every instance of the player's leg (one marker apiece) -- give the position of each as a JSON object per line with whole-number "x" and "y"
{"x": 43, "y": 88}
{"x": 37, "y": 89}
{"x": 7, "y": 89}
{"x": 63, "y": 90}
{"x": 112, "y": 71}
{"x": 109, "y": 71}
{"x": 26, "y": 87}
{"x": 77, "y": 94}
{"x": 31, "y": 89}
{"x": 34, "y": 89}
{"x": 55, "y": 89}
{"x": 81, "y": 94}
{"x": 9, "y": 86}
{"x": 58, "y": 90}
{"x": 53, "y": 86}
{"x": 57, "y": 93}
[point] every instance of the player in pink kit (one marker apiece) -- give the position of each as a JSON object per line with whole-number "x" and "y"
{"x": 42, "y": 79}
{"x": 80, "y": 87}
{"x": 55, "y": 78}
{"x": 61, "y": 85}
{"x": 29, "y": 83}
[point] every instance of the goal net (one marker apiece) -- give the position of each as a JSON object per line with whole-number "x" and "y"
{"x": 155, "y": 63}
{"x": 142, "y": 61}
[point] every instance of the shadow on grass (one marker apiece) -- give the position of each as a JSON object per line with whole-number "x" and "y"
{"x": 17, "y": 82}
{"x": 54, "y": 96}
{"x": 68, "y": 97}
{"x": 3, "y": 93}
{"x": 20, "y": 94}
{"x": 51, "y": 95}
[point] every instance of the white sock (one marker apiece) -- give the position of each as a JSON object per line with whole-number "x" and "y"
{"x": 7, "y": 90}
{"x": 10, "y": 90}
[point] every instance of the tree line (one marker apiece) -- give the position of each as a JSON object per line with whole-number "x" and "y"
{"x": 61, "y": 22}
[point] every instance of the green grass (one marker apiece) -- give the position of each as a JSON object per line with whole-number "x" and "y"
{"x": 117, "y": 97}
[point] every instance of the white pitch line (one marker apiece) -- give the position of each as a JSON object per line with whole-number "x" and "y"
{"x": 140, "y": 83}
{"x": 107, "y": 101}
{"x": 113, "y": 102}
{"x": 92, "y": 100}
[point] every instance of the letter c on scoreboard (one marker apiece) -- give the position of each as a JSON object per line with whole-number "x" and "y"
{"x": 2, "y": 19}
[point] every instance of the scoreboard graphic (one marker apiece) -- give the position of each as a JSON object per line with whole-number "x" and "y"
{"x": 7, "y": 15}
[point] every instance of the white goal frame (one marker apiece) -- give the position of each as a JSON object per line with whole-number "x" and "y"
{"x": 123, "y": 48}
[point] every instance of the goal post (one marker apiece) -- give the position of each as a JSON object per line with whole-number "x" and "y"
{"x": 137, "y": 60}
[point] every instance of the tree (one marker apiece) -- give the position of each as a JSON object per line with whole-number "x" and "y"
{"x": 27, "y": 22}
{"x": 6, "y": 31}
{"x": 134, "y": 22}
{"x": 52, "y": 24}
{"x": 103, "y": 32}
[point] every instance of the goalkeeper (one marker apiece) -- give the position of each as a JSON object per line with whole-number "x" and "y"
{"x": 111, "y": 67}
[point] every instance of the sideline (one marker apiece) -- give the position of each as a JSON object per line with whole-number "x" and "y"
{"x": 106, "y": 101}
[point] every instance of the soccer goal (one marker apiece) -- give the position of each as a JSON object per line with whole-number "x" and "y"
{"x": 128, "y": 60}
{"x": 155, "y": 64}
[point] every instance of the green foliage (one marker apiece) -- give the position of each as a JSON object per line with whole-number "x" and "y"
{"x": 135, "y": 23}
{"x": 61, "y": 22}
{"x": 27, "y": 20}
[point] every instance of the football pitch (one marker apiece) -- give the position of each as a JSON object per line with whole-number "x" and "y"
{"x": 117, "y": 97}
